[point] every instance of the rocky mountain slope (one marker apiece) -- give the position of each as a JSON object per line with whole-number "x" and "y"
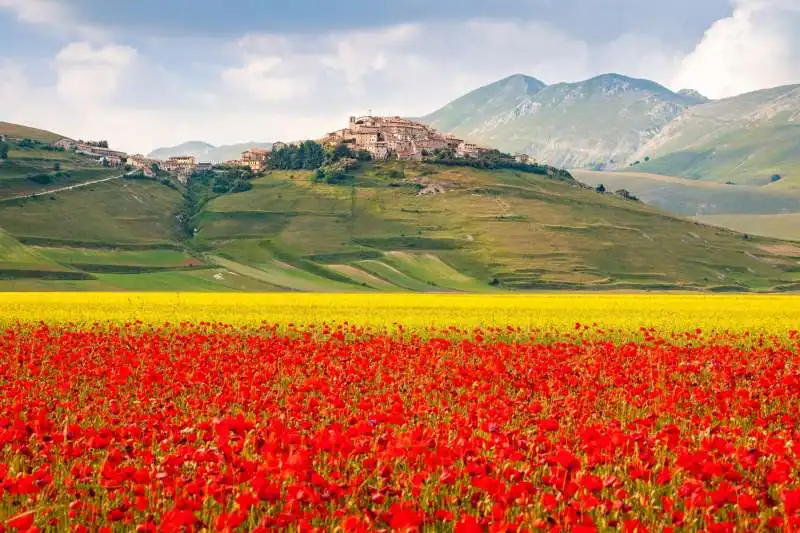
{"x": 601, "y": 121}
{"x": 753, "y": 138}
{"x": 612, "y": 121}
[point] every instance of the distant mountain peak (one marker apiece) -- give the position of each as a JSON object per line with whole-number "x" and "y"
{"x": 610, "y": 77}
{"x": 518, "y": 84}
{"x": 206, "y": 152}
{"x": 533, "y": 84}
{"x": 693, "y": 95}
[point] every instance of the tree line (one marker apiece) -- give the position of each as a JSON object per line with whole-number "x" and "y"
{"x": 310, "y": 155}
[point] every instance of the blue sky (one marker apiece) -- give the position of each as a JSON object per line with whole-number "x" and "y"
{"x": 152, "y": 72}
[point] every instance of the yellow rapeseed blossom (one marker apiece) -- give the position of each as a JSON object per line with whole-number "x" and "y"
{"x": 673, "y": 312}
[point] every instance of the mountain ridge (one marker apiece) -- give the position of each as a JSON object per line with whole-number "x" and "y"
{"x": 206, "y": 152}
{"x": 752, "y": 138}
{"x": 610, "y": 122}
{"x": 516, "y": 119}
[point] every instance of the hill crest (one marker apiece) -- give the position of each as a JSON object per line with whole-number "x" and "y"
{"x": 20, "y": 131}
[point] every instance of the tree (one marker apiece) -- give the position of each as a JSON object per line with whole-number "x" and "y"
{"x": 154, "y": 167}
{"x": 342, "y": 151}
{"x": 3, "y": 150}
{"x": 56, "y": 166}
{"x": 308, "y": 155}
{"x": 600, "y": 188}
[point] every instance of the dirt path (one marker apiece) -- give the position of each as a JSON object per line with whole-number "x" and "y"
{"x": 60, "y": 189}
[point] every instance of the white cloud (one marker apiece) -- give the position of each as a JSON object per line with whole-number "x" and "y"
{"x": 415, "y": 68}
{"x": 55, "y": 15}
{"x": 259, "y": 79}
{"x": 758, "y": 46}
{"x": 299, "y": 86}
{"x": 12, "y": 82}
{"x": 267, "y": 87}
{"x": 87, "y": 74}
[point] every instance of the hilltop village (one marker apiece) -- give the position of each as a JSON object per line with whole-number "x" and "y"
{"x": 365, "y": 137}
{"x": 381, "y": 137}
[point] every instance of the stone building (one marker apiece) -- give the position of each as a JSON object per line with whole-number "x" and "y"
{"x": 141, "y": 162}
{"x": 66, "y": 144}
{"x": 255, "y": 158}
{"x": 466, "y": 149}
{"x": 99, "y": 152}
{"x": 182, "y": 165}
{"x": 385, "y": 136}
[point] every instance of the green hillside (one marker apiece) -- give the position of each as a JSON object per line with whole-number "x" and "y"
{"x": 747, "y": 139}
{"x": 521, "y": 231}
{"x": 766, "y": 211}
{"x": 488, "y": 231}
{"x": 35, "y": 166}
{"x": 17, "y": 131}
{"x": 601, "y": 120}
{"x": 690, "y": 197}
{"x": 780, "y": 226}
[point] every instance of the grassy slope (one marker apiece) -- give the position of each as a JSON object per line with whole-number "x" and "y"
{"x": 17, "y": 131}
{"x": 744, "y": 139}
{"x": 784, "y": 226}
{"x": 688, "y": 197}
{"x": 108, "y": 236}
{"x": 26, "y": 162}
{"x": 134, "y": 212}
{"x": 289, "y": 233}
{"x": 525, "y": 230}
{"x": 14, "y": 255}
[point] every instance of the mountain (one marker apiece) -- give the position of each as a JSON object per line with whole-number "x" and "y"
{"x": 198, "y": 149}
{"x": 753, "y": 138}
{"x": 603, "y": 120}
{"x": 207, "y": 153}
{"x": 693, "y": 95}
{"x": 395, "y": 226}
{"x": 482, "y": 105}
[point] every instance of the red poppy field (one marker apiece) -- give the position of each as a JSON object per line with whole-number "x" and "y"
{"x": 226, "y": 428}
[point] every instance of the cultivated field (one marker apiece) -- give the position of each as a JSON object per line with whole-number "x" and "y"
{"x": 780, "y": 226}
{"x": 304, "y": 412}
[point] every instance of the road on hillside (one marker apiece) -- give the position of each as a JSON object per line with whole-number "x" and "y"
{"x": 60, "y": 189}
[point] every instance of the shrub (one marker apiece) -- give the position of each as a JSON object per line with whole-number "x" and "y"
{"x": 41, "y": 179}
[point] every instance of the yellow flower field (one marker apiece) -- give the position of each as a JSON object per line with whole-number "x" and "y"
{"x": 676, "y": 312}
